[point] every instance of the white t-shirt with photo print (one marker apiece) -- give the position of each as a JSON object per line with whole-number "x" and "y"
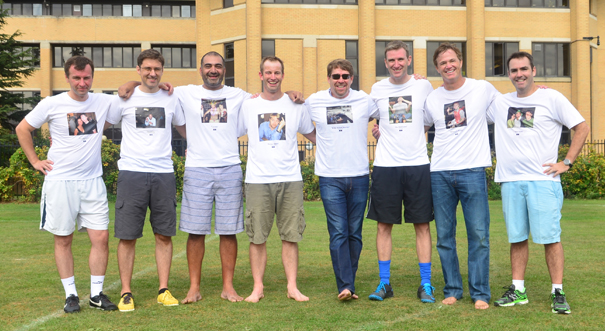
{"x": 401, "y": 144}
{"x": 274, "y": 161}
{"x": 147, "y": 140}
{"x": 461, "y": 135}
{"x": 76, "y": 153}
{"x": 342, "y": 132}
{"x": 211, "y": 136}
{"x": 521, "y": 151}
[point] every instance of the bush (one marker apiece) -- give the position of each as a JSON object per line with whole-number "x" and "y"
{"x": 586, "y": 179}
{"x": 310, "y": 181}
{"x": 110, "y": 154}
{"x": 179, "y": 171}
{"x": 20, "y": 172}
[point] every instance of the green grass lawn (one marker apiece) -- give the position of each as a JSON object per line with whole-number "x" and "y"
{"x": 32, "y": 295}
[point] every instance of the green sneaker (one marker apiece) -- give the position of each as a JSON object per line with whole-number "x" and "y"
{"x": 559, "y": 303}
{"x": 512, "y": 297}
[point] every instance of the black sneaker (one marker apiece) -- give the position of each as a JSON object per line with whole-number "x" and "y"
{"x": 102, "y": 302}
{"x": 72, "y": 304}
{"x": 559, "y": 303}
{"x": 425, "y": 293}
{"x": 382, "y": 292}
{"x": 512, "y": 297}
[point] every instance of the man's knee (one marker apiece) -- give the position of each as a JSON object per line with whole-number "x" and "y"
{"x": 161, "y": 239}
{"x": 384, "y": 229}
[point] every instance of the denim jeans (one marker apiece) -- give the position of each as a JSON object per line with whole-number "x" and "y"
{"x": 344, "y": 200}
{"x": 468, "y": 186}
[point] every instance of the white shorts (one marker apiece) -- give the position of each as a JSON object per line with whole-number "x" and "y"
{"x": 66, "y": 203}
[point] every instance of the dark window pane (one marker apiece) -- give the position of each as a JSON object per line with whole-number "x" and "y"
{"x": 117, "y": 10}
{"x": 227, "y": 3}
{"x": 97, "y": 10}
{"x": 166, "y": 11}
{"x": 117, "y": 57}
{"x": 229, "y": 51}
{"x": 28, "y": 9}
{"x": 107, "y": 10}
{"x": 489, "y": 61}
{"x": 58, "y": 57}
{"x": 135, "y": 53}
{"x": 176, "y": 11}
{"x": 537, "y": 3}
{"x": 192, "y": 11}
{"x": 187, "y": 58}
{"x": 351, "y": 49}
{"x": 107, "y": 57}
{"x": 66, "y": 54}
{"x": 146, "y": 10}
{"x": 381, "y": 70}
{"x": 167, "y": 53}
{"x": 17, "y": 9}
{"x": 538, "y": 54}
{"x": 498, "y": 59}
{"x": 268, "y": 47}
{"x": 176, "y": 57}
{"x": 56, "y": 9}
{"x": 127, "y": 57}
{"x": 67, "y": 9}
{"x": 87, "y": 52}
{"x": 524, "y": 3}
{"x": 550, "y": 59}
{"x": 156, "y": 10}
{"x": 230, "y": 69}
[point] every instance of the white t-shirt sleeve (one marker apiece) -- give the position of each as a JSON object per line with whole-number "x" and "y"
{"x": 114, "y": 116}
{"x": 305, "y": 125}
{"x": 566, "y": 113}
{"x": 373, "y": 111}
{"x": 39, "y": 115}
{"x": 179, "y": 116}
{"x": 491, "y": 92}
{"x": 428, "y": 118}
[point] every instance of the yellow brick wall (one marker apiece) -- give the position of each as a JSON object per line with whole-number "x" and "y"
{"x": 527, "y": 24}
{"x": 329, "y": 20}
{"x": 222, "y": 25}
{"x": 420, "y": 22}
{"x": 327, "y": 50}
{"x": 291, "y": 52}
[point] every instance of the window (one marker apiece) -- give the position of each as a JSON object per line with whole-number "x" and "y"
{"x": 336, "y": 2}
{"x": 381, "y": 70}
{"x": 102, "y": 8}
{"x": 101, "y": 56}
{"x": 352, "y": 56}
{"x": 228, "y": 3}
{"x": 496, "y": 55}
{"x": 528, "y": 3}
{"x": 229, "y": 52}
{"x": 35, "y": 49}
{"x": 422, "y": 2}
{"x": 431, "y": 47}
{"x": 177, "y": 56}
{"x": 29, "y": 99}
{"x": 551, "y": 59}
{"x": 267, "y": 47}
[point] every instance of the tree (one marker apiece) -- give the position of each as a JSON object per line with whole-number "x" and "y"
{"x": 16, "y": 63}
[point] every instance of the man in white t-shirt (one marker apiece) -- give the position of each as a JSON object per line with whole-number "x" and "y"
{"x": 460, "y": 154}
{"x": 274, "y": 183}
{"x": 527, "y": 167}
{"x": 73, "y": 193}
{"x": 401, "y": 170}
{"x": 146, "y": 178}
{"x": 342, "y": 166}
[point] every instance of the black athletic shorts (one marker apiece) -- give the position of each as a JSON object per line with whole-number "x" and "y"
{"x": 136, "y": 192}
{"x": 393, "y": 185}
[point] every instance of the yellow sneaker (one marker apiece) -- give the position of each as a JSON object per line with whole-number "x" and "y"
{"x": 167, "y": 299}
{"x": 126, "y": 302}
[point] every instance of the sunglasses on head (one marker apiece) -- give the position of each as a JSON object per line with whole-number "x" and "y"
{"x": 337, "y": 76}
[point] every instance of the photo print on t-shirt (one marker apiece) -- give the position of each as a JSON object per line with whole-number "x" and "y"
{"x": 455, "y": 114}
{"x": 150, "y": 117}
{"x": 81, "y": 123}
{"x": 339, "y": 114}
{"x": 271, "y": 126}
{"x": 214, "y": 111}
{"x": 400, "y": 109}
{"x": 520, "y": 117}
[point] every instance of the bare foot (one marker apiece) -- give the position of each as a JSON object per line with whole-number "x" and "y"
{"x": 449, "y": 301}
{"x": 231, "y": 296}
{"x": 354, "y": 296}
{"x": 345, "y": 295}
{"x": 255, "y": 297}
{"x": 296, "y": 295}
{"x": 192, "y": 296}
{"x": 479, "y": 304}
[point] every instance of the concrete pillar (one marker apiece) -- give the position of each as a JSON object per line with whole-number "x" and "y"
{"x": 253, "y": 45}
{"x": 580, "y": 57}
{"x": 309, "y": 66}
{"x": 475, "y": 44}
{"x": 366, "y": 55}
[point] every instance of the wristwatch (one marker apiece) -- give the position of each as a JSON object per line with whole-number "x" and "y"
{"x": 568, "y": 163}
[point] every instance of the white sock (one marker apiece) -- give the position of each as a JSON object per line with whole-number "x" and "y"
{"x": 555, "y": 286}
{"x": 519, "y": 284}
{"x": 96, "y": 285}
{"x": 69, "y": 284}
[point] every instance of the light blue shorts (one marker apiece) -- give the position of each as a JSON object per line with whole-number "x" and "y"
{"x": 532, "y": 206}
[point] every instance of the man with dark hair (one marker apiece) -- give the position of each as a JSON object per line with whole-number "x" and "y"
{"x": 73, "y": 194}
{"x": 401, "y": 171}
{"x": 146, "y": 178}
{"x": 342, "y": 167}
{"x": 274, "y": 185}
{"x": 532, "y": 196}
{"x": 460, "y": 155}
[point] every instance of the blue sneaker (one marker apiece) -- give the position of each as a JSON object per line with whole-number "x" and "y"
{"x": 382, "y": 292}
{"x": 425, "y": 293}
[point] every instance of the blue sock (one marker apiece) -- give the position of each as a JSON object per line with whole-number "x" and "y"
{"x": 384, "y": 272}
{"x": 425, "y": 273}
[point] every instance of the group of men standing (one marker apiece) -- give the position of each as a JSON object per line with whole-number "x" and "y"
{"x": 532, "y": 198}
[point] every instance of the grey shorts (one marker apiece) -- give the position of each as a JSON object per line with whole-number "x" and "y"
{"x": 264, "y": 201}
{"x": 136, "y": 192}
{"x": 204, "y": 186}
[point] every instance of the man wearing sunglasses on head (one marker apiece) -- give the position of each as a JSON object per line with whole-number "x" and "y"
{"x": 342, "y": 166}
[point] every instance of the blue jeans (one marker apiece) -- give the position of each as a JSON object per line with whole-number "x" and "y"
{"x": 344, "y": 200}
{"x": 468, "y": 186}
